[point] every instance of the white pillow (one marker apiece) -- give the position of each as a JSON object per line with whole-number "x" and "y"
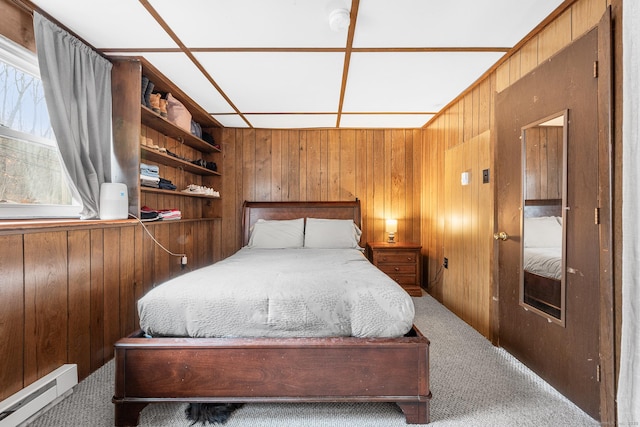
{"x": 542, "y": 232}
{"x": 277, "y": 234}
{"x": 331, "y": 233}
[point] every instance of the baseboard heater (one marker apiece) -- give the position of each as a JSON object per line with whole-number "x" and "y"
{"x": 48, "y": 390}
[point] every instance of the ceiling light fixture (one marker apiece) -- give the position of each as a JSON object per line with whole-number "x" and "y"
{"x": 339, "y": 20}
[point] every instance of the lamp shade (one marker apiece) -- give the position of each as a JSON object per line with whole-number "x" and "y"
{"x": 391, "y": 226}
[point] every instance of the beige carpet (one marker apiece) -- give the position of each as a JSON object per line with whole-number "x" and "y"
{"x": 503, "y": 393}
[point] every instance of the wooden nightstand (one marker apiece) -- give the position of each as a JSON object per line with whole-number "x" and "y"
{"x": 401, "y": 262}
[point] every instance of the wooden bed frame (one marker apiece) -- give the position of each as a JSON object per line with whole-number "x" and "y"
{"x": 334, "y": 369}
{"x": 544, "y": 293}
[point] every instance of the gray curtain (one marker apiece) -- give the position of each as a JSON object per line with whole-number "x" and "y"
{"x": 629, "y": 381}
{"x": 77, "y": 87}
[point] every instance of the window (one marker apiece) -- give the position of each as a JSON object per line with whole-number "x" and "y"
{"x": 33, "y": 181}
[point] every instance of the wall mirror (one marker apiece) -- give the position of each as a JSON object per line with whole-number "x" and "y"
{"x": 544, "y": 168}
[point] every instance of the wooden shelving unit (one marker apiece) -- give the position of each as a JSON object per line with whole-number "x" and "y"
{"x": 133, "y": 120}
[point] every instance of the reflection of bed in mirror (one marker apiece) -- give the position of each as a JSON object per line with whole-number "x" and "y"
{"x": 542, "y": 257}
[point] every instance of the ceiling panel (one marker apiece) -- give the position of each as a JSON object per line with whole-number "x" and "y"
{"x": 231, "y": 120}
{"x": 109, "y": 24}
{"x": 253, "y": 23}
{"x": 450, "y": 23}
{"x": 300, "y": 121}
{"x": 277, "y": 82}
{"x": 411, "y": 81}
{"x": 367, "y": 121}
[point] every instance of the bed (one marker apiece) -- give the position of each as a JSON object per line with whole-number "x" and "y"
{"x": 542, "y": 263}
{"x": 193, "y": 364}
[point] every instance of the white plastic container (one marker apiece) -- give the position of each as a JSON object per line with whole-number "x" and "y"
{"x": 114, "y": 201}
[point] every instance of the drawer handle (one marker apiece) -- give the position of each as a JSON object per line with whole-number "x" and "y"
{"x": 410, "y": 259}
{"x": 396, "y": 268}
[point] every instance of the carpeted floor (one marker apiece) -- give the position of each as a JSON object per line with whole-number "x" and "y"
{"x": 502, "y": 393}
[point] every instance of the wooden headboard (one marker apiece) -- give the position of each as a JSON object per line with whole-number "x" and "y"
{"x": 537, "y": 208}
{"x": 253, "y": 211}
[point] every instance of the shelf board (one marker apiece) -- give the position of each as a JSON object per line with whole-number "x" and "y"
{"x": 153, "y": 120}
{"x": 165, "y": 159}
{"x": 175, "y": 193}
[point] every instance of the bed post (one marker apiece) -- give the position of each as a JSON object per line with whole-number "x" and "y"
{"x": 416, "y": 412}
{"x": 127, "y": 414}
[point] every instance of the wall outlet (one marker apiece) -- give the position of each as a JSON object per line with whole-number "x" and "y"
{"x": 445, "y": 263}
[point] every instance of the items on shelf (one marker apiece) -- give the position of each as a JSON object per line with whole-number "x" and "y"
{"x": 154, "y": 100}
{"x": 196, "y": 129}
{"x": 201, "y": 189}
{"x": 178, "y": 113}
{"x": 147, "y": 89}
{"x": 150, "y": 177}
{"x": 166, "y": 105}
{"x": 148, "y": 142}
{"x": 165, "y": 184}
{"x": 148, "y": 214}
{"x": 212, "y": 166}
{"x": 206, "y": 137}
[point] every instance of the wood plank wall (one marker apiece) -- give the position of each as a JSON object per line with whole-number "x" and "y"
{"x": 543, "y": 170}
{"x": 69, "y": 293}
{"x": 449, "y": 213}
{"x": 382, "y": 168}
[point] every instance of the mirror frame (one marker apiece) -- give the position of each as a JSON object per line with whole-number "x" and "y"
{"x": 563, "y": 208}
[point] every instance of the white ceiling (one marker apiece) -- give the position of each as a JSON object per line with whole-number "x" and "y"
{"x": 279, "y": 65}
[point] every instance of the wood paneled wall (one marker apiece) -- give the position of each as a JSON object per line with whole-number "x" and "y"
{"x": 69, "y": 293}
{"x": 457, "y": 220}
{"x": 450, "y": 212}
{"x": 382, "y": 168}
{"x": 543, "y": 166}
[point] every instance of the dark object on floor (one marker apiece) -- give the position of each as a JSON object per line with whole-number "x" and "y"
{"x": 210, "y": 413}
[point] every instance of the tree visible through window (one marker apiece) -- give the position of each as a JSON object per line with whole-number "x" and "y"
{"x": 31, "y": 173}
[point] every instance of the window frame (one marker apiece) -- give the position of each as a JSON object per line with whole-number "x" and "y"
{"x": 27, "y": 62}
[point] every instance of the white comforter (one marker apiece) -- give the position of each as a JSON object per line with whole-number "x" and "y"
{"x": 280, "y": 293}
{"x": 546, "y": 262}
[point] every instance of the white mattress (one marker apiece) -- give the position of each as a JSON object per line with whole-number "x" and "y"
{"x": 546, "y": 262}
{"x": 280, "y": 293}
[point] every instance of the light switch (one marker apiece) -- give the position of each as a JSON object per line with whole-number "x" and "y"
{"x": 464, "y": 178}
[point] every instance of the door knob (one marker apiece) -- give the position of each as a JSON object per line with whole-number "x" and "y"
{"x": 500, "y": 236}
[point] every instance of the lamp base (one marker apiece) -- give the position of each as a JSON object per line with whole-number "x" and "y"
{"x": 391, "y": 238}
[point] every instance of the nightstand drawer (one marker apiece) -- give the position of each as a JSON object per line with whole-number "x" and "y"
{"x": 404, "y": 279}
{"x": 394, "y": 257}
{"x": 398, "y": 268}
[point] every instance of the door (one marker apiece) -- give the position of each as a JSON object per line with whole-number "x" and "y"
{"x": 563, "y": 350}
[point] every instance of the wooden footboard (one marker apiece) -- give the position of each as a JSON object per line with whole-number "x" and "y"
{"x": 345, "y": 369}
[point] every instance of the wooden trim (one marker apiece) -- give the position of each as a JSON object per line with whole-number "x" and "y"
{"x": 605, "y": 168}
{"x": 40, "y": 225}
